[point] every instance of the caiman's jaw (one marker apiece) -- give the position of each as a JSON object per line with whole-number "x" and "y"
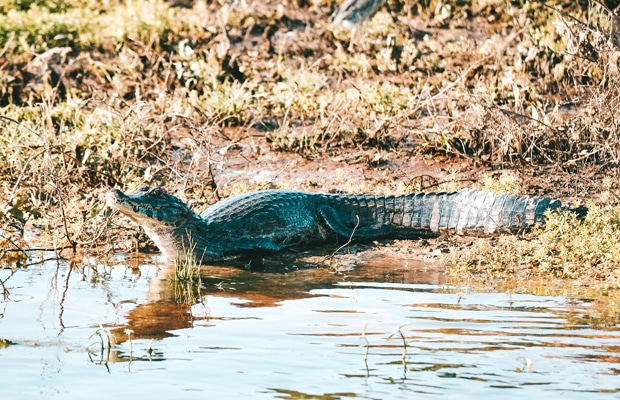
{"x": 151, "y": 208}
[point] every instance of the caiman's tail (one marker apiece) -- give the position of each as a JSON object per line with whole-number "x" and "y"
{"x": 430, "y": 214}
{"x": 484, "y": 212}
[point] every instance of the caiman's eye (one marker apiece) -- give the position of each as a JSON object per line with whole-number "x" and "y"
{"x": 143, "y": 189}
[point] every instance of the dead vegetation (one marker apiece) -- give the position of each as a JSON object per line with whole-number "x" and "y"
{"x": 112, "y": 94}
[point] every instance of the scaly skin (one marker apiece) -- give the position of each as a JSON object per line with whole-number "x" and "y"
{"x": 275, "y": 220}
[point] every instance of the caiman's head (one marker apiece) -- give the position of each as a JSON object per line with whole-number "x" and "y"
{"x": 151, "y": 207}
{"x": 164, "y": 218}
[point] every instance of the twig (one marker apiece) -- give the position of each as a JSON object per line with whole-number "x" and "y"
{"x": 5, "y": 291}
{"x": 367, "y": 343}
{"x": 9, "y": 119}
{"x": 367, "y": 348}
{"x": 64, "y": 218}
{"x": 400, "y": 332}
{"x": 331, "y": 256}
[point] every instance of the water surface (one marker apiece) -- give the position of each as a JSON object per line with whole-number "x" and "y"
{"x": 310, "y": 333}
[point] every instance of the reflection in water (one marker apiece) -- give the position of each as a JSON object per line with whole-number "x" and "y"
{"x": 168, "y": 306}
{"x": 304, "y": 333}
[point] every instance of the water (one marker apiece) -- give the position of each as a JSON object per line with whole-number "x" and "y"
{"x": 301, "y": 334}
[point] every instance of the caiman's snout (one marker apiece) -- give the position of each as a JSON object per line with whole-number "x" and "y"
{"x": 112, "y": 197}
{"x": 119, "y": 201}
{"x": 150, "y": 206}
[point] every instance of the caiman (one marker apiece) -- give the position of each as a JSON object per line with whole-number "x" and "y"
{"x": 276, "y": 220}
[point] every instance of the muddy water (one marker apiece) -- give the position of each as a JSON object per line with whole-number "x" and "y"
{"x": 299, "y": 334}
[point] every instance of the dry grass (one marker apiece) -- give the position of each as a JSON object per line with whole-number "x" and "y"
{"x": 162, "y": 94}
